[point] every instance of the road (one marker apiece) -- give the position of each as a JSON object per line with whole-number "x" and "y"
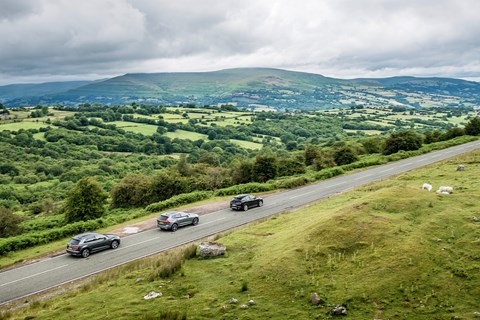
{"x": 51, "y": 272}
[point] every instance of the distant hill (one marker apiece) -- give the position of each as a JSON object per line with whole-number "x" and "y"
{"x": 251, "y": 87}
{"x": 32, "y": 90}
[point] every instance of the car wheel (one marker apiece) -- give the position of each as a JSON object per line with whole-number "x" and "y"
{"x": 85, "y": 253}
{"x": 114, "y": 244}
{"x": 260, "y": 203}
{"x": 245, "y": 207}
{"x": 174, "y": 227}
{"x": 195, "y": 221}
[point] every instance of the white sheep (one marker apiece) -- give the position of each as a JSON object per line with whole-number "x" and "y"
{"x": 445, "y": 189}
{"x": 427, "y": 186}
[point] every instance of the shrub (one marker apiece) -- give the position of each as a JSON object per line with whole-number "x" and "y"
{"x": 328, "y": 173}
{"x": 178, "y": 200}
{"x": 252, "y": 187}
{"x": 292, "y": 182}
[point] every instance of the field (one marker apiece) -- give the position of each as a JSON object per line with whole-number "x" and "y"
{"x": 388, "y": 250}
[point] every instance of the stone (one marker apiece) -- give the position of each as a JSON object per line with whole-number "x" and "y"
{"x": 233, "y": 300}
{"x": 315, "y": 298}
{"x": 211, "y": 249}
{"x": 460, "y": 167}
{"x": 251, "y": 302}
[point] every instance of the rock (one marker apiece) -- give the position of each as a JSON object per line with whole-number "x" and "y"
{"x": 211, "y": 249}
{"x": 315, "y": 298}
{"x": 152, "y": 295}
{"x": 339, "y": 310}
{"x": 243, "y": 306}
{"x": 475, "y": 219}
{"x": 460, "y": 167}
{"x": 233, "y": 300}
{"x": 251, "y": 302}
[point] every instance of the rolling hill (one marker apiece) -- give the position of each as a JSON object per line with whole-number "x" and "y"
{"x": 253, "y": 87}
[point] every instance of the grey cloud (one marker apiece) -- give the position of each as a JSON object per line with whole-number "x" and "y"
{"x": 347, "y": 38}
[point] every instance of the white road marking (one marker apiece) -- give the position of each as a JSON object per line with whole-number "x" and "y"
{"x": 213, "y": 220}
{"x": 33, "y": 275}
{"x": 301, "y": 195}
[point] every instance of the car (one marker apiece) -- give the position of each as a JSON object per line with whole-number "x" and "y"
{"x": 245, "y": 202}
{"x": 86, "y": 243}
{"x": 172, "y": 220}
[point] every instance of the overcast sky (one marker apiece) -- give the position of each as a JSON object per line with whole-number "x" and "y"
{"x": 51, "y": 40}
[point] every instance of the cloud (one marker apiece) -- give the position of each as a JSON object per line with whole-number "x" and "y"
{"x": 45, "y": 40}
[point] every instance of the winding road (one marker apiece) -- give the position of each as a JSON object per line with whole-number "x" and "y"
{"x": 48, "y": 273}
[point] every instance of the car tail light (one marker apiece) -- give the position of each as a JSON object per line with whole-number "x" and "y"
{"x": 167, "y": 222}
{"x": 75, "y": 247}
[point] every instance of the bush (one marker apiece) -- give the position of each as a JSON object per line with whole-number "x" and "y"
{"x": 292, "y": 182}
{"x": 178, "y": 200}
{"x": 252, "y": 187}
{"x": 328, "y": 173}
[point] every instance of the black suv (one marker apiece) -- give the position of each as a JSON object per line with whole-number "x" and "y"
{"x": 86, "y": 243}
{"x": 245, "y": 202}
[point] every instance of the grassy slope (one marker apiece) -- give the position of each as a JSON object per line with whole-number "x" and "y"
{"x": 388, "y": 250}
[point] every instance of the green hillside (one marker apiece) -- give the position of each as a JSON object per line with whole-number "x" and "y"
{"x": 261, "y": 87}
{"x": 388, "y": 250}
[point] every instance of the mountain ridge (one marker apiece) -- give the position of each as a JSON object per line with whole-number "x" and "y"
{"x": 247, "y": 87}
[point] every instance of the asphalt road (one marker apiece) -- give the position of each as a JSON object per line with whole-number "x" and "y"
{"x": 48, "y": 273}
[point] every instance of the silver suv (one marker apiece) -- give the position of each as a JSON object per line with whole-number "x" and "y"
{"x": 174, "y": 219}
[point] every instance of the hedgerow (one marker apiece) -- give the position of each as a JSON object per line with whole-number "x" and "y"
{"x": 178, "y": 200}
{"x": 252, "y": 187}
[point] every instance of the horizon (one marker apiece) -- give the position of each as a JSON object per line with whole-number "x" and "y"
{"x": 211, "y": 71}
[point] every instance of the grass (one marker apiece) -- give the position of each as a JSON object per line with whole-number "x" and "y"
{"x": 247, "y": 144}
{"x": 143, "y": 128}
{"x": 182, "y": 134}
{"x": 387, "y": 250}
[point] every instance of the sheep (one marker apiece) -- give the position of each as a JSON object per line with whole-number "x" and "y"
{"x": 427, "y": 186}
{"x": 445, "y": 190}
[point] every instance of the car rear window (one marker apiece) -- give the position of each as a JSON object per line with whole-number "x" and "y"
{"x": 163, "y": 218}
{"x": 74, "y": 241}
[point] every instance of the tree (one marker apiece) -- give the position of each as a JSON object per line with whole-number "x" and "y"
{"x": 405, "y": 140}
{"x": 344, "y": 155}
{"x": 264, "y": 168}
{"x": 472, "y": 128}
{"x": 85, "y": 201}
{"x": 167, "y": 184}
{"x": 9, "y": 223}
{"x": 311, "y": 153}
{"x": 133, "y": 190}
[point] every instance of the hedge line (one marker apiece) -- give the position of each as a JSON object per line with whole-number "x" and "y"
{"x": 35, "y": 238}
{"x": 251, "y": 187}
{"x": 178, "y": 200}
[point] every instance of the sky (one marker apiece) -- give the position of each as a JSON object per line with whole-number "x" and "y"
{"x": 60, "y": 40}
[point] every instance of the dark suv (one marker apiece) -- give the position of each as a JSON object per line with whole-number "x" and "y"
{"x": 86, "y": 243}
{"x": 245, "y": 202}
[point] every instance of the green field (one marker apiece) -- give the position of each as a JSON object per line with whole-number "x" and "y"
{"x": 387, "y": 250}
{"x": 143, "y": 128}
{"x": 182, "y": 134}
{"x": 15, "y": 126}
{"x": 247, "y": 144}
